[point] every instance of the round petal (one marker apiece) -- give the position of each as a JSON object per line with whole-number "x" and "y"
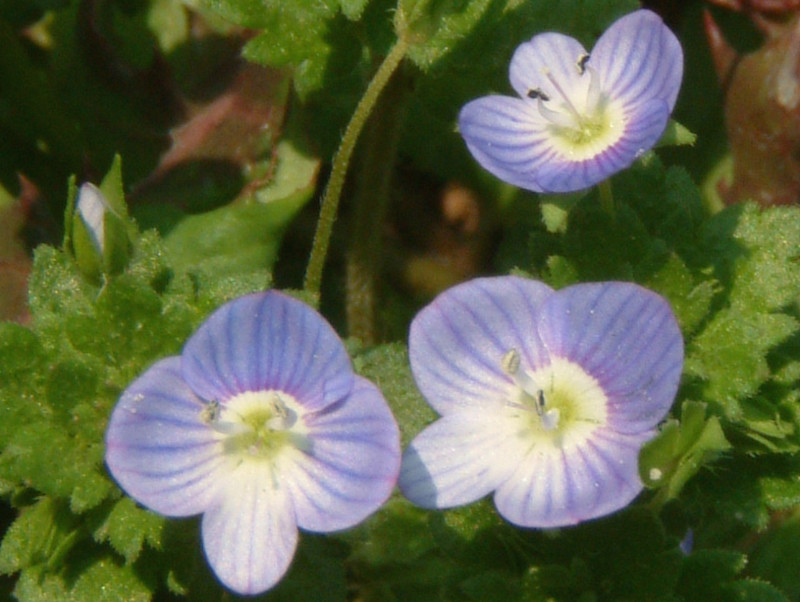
{"x": 645, "y": 123}
{"x": 458, "y": 342}
{"x": 352, "y": 464}
{"x": 508, "y": 137}
{"x": 559, "y": 486}
{"x": 268, "y": 341}
{"x": 159, "y": 449}
{"x": 459, "y": 459}
{"x": 548, "y": 58}
{"x": 627, "y": 338}
{"x": 250, "y": 535}
{"x": 638, "y": 59}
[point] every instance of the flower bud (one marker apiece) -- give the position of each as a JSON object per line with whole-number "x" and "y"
{"x": 100, "y": 240}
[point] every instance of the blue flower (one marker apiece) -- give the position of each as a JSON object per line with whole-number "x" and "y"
{"x": 262, "y": 426}
{"x": 582, "y": 116}
{"x": 546, "y": 396}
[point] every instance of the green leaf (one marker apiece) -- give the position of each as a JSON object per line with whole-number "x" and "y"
{"x": 245, "y": 237}
{"x": 729, "y": 355}
{"x": 40, "y": 535}
{"x": 106, "y": 581}
{"x": 689, "y": 299}
{"x": 676, "y": 135}
{"x": 67, "y": 467}
{"x": 20, "y": 351}
{"x": 706, "y": 572}
{"x": 681, "y": 449}
{"x": 555, "y": 209}
{"x": 387, "y": 366}
{"x": 750, "y": 590}
{"x": 755, "y": 252}
{"x": 399, "y": 533}
{"x": 127, "y": 527}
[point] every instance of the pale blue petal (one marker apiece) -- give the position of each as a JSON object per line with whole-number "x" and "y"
{"x": 645, "y": 125}
{"x": 158, "y": 448}
{"x": 639, "y": 59}
{"x": 351, "y": 466}
{"x": 268, "y": 341}
{"x": 552, "y": 53}
{"x": 457, "y": 343}
{"x": 627, "y": 338}
{"x": 508, "y": 137}
{"x": 460, "y": 458}
{"x": 250, "y": 536}
{"x": 554, "y": 487}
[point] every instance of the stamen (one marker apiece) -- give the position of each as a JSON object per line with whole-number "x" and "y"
{"x": 567, "y": 102}
{"x": 529, "y": 391}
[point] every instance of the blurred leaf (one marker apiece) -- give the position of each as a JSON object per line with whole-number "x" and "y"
{"x": 387, "y": 366}
{"x": 681, "y": 449}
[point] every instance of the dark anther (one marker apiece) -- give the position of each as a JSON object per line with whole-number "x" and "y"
{"x": 540, "y": 402}
{"x": 537, "y": 93}
{"x": 581, "y": 64}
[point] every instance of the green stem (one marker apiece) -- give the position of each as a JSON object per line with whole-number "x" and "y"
{"x": 341, "y": 160}
{"x": 606, "y": 197}
{"x": 377, "y": 151}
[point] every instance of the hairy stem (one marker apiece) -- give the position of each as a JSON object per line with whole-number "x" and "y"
{"x": 341, "y": 160}
{"x": 377, "y": 150}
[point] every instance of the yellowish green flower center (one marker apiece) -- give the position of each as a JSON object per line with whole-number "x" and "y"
{"x": 584, "y": 121}
{"x": 557, "y": 404}
{"x": 257, "y": 425}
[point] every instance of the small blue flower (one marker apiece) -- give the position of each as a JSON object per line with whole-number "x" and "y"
{"x": 582, "y": 116}
{"x": 546, "y": 396}
{"x": 262, "y": 426}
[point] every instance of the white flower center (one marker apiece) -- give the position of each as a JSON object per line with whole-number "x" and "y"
{"x": 584, "y": 121}
{"x": 256, "y": 425}
{"x": 557, "y": 403}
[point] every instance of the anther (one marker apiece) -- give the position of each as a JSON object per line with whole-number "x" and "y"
{"x": 581, "y": 64}
{"x": 537, "y": 93}
{"x": 540, "y": 402}
{"x": 211, "y": 412}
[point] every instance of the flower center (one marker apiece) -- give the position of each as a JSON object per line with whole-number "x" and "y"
{"x": 582, "y": 119}
{"x": 557, "y": 403}
{"x": 256, "y": 425}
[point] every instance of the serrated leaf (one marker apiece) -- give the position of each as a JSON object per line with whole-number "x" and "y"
{"x": 40, "y": 535}
{"x": 106, "y": 581}
{"x": 128, "y": 527}
{"x": 705, "y": 573}
{"x": 729, "y": 355}
{"x": 751, "y": 590}
{"x": 47, "y": 458}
